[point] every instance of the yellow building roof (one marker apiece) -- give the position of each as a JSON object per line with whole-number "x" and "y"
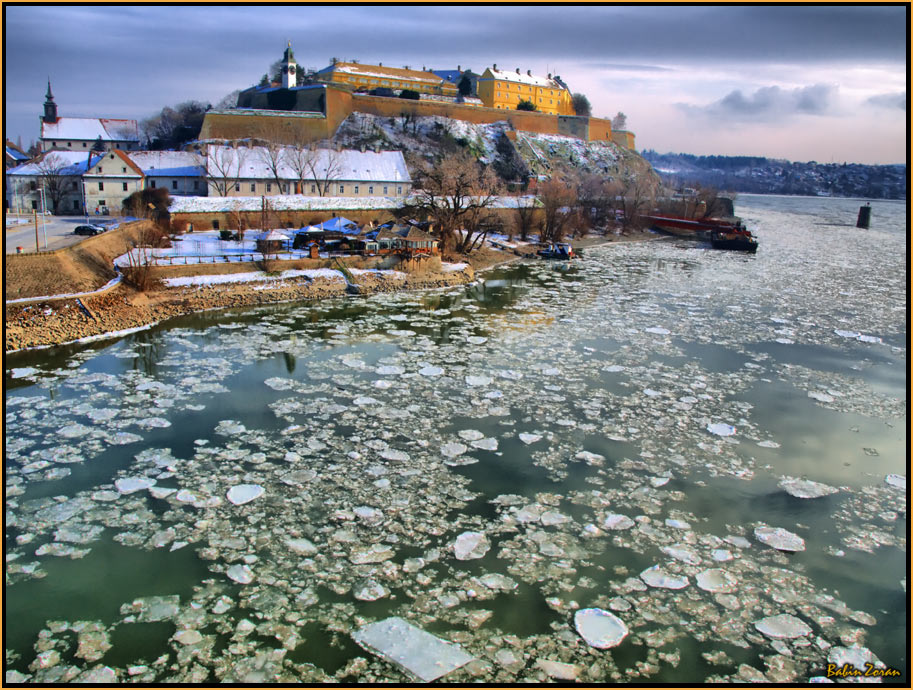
{"x": 382, "y": 72}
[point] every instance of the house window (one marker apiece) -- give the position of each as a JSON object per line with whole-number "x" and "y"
{"x": 84, "y": 144}
{"x": 253, "y": 186}
{"x": 102, "y": 202}
{"x": 125, "y": 186}
{"x": 34, "y": 205}
{"x": 269, "y": 187}
{"x": 70, "y": 143}
{"x": 215, "y": 225}
{"x": 385, "y": 190}
{"x": 75, "y": 185}
{"x": 370, "y": 189}
{"x": 124, "y": 169}
{"x": 356, "y": 189}
{"x": 174, "y": 184}
{"x": 399, "y": 189}
{"x": 237, "y": 186}
{"x": 196, "y": 185}
{"x": 313, "y": 189}
{"x": 152, "y": 184}
{"x": 101, "y": 186}
{"x": 283, "y": 188}
{"x": 33, "y": 185}
{"x": 342, "y": 189}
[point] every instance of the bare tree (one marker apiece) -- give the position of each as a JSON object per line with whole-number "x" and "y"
{"x": 223, "y": 167}
{"x": 273, "y": 155}
{"x": 595, "y": 200}
{"x": 53, "y": 178}
{"x": 558, "y": 203}
{"x": 638, "y": 193}
{"x": 456, "y": 194}
{"x": 526, "y": 219}
{"x": 311, "y": 164}
{"x": 620, "y": 121}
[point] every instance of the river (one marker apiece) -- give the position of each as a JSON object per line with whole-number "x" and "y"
{"x": 231, "y": 497}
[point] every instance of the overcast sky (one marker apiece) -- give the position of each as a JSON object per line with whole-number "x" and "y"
{"x": 824, "y": 83}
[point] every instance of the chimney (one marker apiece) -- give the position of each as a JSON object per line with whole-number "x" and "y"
{"x": 529, "y": 73}
{"x": 549, "y": 75}
{"x": 458, "y": 69}
{"x": 380, "y": 64}
{"x": 494, "y": 66}
{"x": 518, "y": 70}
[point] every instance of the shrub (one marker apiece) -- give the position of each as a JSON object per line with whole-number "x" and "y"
{"x": 409, "y": 94}
{"x": 526, "y": 105}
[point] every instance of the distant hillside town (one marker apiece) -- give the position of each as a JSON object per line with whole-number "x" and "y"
{"x": 760, "y": 175}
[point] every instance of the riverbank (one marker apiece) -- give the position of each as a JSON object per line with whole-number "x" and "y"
{"x": 56, "y": 322}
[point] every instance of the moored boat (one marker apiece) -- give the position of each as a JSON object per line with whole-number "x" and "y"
{"x": 557, "y": 250}
{"x": 737, "y": 238}
{"x": 687, "y": 227}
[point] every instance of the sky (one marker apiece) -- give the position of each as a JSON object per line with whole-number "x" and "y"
{"x": 798, "y": 82}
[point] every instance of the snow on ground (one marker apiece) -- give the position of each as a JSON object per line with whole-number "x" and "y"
{"x": 252, "y": 277}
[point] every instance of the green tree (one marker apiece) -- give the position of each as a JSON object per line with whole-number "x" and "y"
{"x": 465, "y": 86}
{"x": 409, "y": 94}
{"x": 526, "y": 105}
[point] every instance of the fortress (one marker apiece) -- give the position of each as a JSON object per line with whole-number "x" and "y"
{"x": 288, "y": 113}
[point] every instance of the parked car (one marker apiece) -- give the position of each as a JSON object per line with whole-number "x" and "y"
{"x": 88, "y": 229}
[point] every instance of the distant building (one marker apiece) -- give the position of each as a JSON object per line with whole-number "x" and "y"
{"x": 52, "y": 182}
{"x": 182, "y": 173}
{"x": 81, "y": 133}
{"x": 109, "y": 180}
{"x": 14, "y": 155}
{"x": 255, "y": 171}
{"x": 455, "y": 76}
{"x": 367, "y": 77}
{"x": 504, "y": 90}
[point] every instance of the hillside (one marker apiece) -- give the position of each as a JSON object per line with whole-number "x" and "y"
{"x": 424, "y": 138}
{"x": 761, "y": 175}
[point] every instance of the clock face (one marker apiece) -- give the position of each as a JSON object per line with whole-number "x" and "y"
{"x": 291, "y": 69}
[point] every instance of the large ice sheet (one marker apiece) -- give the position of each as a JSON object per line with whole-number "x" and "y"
{"x": 420, "y": 653}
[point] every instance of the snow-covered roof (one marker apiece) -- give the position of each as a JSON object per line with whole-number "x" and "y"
{"x": 72, "y": 162}
{"x": 451, "y": 75}
{"x": 337, "y": 224}
{"x": 381, "y": 72}
{"x": 299, "y": 202}
{"x": 347, "y": 165}
{"x": 168, "y": 163}
{"x": 524, "y": 78}
{"x": 16, "y": 155}
{"x": 90, "y": 129}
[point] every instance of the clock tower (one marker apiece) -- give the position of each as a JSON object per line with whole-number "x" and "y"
{"x": 289, "y": 69}
{"x": 50, "y": 107}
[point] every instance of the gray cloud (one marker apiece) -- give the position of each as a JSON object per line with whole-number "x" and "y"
{"x": 768, "y": 103}
{"x": 889, "y": 100}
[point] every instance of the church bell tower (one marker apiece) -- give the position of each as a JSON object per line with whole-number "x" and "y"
{"x": 50, "y": 107}
{"x": 289, "y": 69}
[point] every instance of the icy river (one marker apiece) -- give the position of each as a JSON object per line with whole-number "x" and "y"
{"x": 660, "y": 463}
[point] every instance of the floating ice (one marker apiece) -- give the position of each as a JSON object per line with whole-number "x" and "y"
{"x": 476, "y": 340}
{"x": 768, "y": 444}
{"x": 721, "y": 429}
{"x": 122, "y": 438}
{"x": 804, "y": 488}
{"x": 431, "y": 371}
{"x": 22, "y": 372}
{"x": 716, "y": 580}
{"x": 394, "y": 455}
{"x": 677, "y": 524}
{"x": 240, "y": 574}
{"x": 682, "y": 552}
{"x": 390, "y": 370}
{"x": 558, "y": 669}
{"x": 411, "y": 648}
{"x": 599, "y": 628}
{"x": 869, "y": 338}
{"x": 478, "y": 380}
{"x": 452, "y": 449}
{"x": 470, "y": 545}
{"x": 779, "y": 538}
{"x": 375, "y": 553}
{"x": 783, "y": 626}
{"x": 898, "y": 481}
{"x": 244, "y": 493}
{"x": 74, "y": 430}
{"x": 658, "y": 330}
{"x": 370, "y": 590}
{"x": 485, "y": 444}
{"x": 364, "y": 400}
{"x": 856, "y": 656}
{"x": 616, "y": 521}
{"x": 655, "y": 576}
{"x": 820, "y": 397}
{"x": 471, "y": 434}
{"x": 131, "y": 484}
{"x": 590, "y": 458}
{"x": 529, "y": 438}
{"x": 497, "y": 581}
{"x": 846, "y": 334}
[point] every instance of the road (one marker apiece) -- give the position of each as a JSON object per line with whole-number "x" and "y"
{"x": 54, "y": 232}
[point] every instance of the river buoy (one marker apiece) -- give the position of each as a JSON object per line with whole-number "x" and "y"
{"x": 865, "y": 216}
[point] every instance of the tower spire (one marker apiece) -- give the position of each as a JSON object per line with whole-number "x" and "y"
{"x": 289, "y": 68}
{"x": 50, "y": 107}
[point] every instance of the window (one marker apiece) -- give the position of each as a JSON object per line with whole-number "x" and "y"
{"x": 70, "y": 143}
{"x": 313, "y": 189}
{"x": 84, "y": 144}
{"x": 385, "y": 190}
{"x": 34, "y": 204}
{"x": 125, "y": 186}
{"x": 102, "y": 202}
{"x": 253, "y": 186}
{"x": 33, "y": 185}
{"x": 124, "y": 169}
{"x": 196, "y": 185}
{"x": 174, "y": 184}
{"x": 152, "y": 184}
{"x": 370, "y": 189}
{"x": 75, "y": 185}
{"x": 356, "y": 189}
{"x": 100, "y": 170}
{"x": 269, "y": 187}
{"x": 215, "y": 225}
{"x": 399, "y": 189}
{"x": 342, "y": 189}
{"x": 237, "y": 186}
{"x": 283, "y": 188}
{"x": 101, "y": 186}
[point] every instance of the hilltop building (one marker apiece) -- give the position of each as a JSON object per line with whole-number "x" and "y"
{"x": 367, "y": 77}
{"x": 504, "y": 90}
{"x": 81, "y": 133}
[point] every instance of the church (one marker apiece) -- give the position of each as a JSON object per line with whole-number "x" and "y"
{"x": 82, "y": 133}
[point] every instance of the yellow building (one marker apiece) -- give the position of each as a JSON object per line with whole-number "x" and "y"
{"x": 377, "y": 76}
{"x": 504, "y": 90}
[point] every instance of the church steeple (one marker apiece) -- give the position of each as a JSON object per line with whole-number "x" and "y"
{"x": 50, "y": 107}
{"x": 289, "y": 68}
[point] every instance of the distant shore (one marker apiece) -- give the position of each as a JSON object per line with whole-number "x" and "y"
{"x": 122, "y": 309}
